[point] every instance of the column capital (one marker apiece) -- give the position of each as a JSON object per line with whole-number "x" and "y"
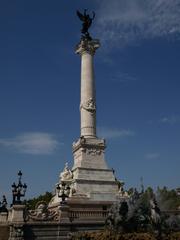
{"x": 86, "y": 45}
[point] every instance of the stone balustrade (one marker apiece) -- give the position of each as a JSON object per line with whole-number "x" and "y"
{"x": 88, "y": 214}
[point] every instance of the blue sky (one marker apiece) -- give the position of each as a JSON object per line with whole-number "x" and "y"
{"x": 137, "y": 73}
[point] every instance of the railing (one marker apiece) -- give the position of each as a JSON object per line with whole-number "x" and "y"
{"x": 88, "y": 214}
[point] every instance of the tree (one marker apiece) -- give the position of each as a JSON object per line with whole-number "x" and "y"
{"x": 31, "y": 203}
{"x": 168, "y": 199}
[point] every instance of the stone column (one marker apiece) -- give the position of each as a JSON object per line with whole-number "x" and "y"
{"x": 86, "y": 49}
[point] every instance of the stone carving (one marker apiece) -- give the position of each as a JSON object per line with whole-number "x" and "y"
{"x": 87, "y": 46}
{"x": 83, "y": 150}
{"x": 90, "y": 106}
{"x": 16, "y": 232}
{"x": 82, "y": 140}
{"x": 41, "y": 213}
{"x": 66, "y": 174}
{"x": 94, "y": 152}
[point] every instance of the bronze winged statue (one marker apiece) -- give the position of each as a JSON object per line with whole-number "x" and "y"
{"x": 87, "y": 21}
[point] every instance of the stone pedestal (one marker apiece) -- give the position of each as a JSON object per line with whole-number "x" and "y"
{"x": 91, "y": 176}
{"x": 16, "y": 220}
{"x": 89, "y": 153}
{"x": 17, "y": 213}
{"x": 64, "y": 213}
{"x": 3, "y": 217}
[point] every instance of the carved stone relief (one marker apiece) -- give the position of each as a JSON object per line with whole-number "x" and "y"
{"x": 41, "y": 213}
{"x": 16, "y": 232}
{"x": 89, "y": 105}
{"x": 94, "y": 152}
{"x": 66, "y": 174}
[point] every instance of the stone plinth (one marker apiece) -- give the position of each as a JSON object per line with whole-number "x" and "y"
{"x": 3, "y": 217}
{"x": 17, "y": 213}
{"x": 89, "y": 153}
{"x": 91, "y": 175}
{"x": 64, "y": 213}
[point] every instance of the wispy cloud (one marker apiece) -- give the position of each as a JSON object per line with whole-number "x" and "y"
{"x": 122, "y": 22}
{"x": 152, "y": 156}
{"x": 35, "y": 143}
{"x": 170, "y": 120}
{"x": 123, "y": 77}
{"x": 114, "y": 133}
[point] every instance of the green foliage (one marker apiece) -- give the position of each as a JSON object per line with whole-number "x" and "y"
{"x": 130, "y": 190}
{"x": 31, "y": 203}
{"x": 168, "y": 199}
{"x": 109, "y": 235}
{"x": 140, "y": 220}
{"x": 123, "y": 210}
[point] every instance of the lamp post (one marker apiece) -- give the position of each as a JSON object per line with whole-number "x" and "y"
{"x": 18, "y": 190}
{"x": 3, "y": 204}
{"x": 63, "y": 191}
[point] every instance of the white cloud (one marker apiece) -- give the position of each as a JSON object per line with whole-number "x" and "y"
{"x": 152, "y": 156}
{"x": 114, "y": 133}
{"x": 122, "y": 77}
{"x": 170, "y": 120}
{"x": 123, "y": 22}
{"x": 35, "y": 143}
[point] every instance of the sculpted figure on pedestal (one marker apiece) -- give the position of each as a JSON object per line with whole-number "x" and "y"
{"x": 66, "y": 174}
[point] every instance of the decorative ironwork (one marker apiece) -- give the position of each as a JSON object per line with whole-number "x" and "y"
{"x": 3, "y": 204}
{"x": 63, "y": 191}
{"x": 16, "y": 232}
{"x": 18, "y": 190}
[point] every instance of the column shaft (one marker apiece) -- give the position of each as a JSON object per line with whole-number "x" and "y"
{"x": 88, "y": 101}
{"x": 86, "y": 49}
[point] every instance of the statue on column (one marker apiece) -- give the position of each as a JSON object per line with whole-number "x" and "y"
{"x": 87, "y": 21}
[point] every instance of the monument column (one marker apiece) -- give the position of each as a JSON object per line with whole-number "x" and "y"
{"x": 87, "y": 48}
{"x": 90, "y": 177}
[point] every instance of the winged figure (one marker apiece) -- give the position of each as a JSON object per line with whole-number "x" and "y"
{"x": 87, "y": 21}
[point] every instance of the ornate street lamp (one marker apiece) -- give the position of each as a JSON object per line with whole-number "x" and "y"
{"x": 18, "y": 190}
{"x": 63, "y": 191}
{"x": 3, "y": 204}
